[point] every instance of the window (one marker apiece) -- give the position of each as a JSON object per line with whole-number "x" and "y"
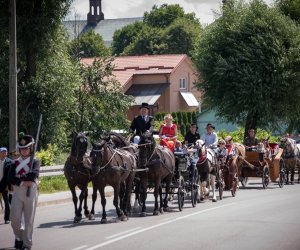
{"x": 182, "y": 83}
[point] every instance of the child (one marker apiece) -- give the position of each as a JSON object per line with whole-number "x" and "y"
{"x": 221, "y": 152}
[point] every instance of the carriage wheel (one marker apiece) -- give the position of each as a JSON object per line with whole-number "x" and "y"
{"x": 265, "y": 176}
{"x": 180, "y": 193}
{"x": 194, "y": 188}
{"x": 220, "y": 184}
{"x": 281, "y": 173}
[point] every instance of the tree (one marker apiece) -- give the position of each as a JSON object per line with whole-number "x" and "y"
{"x": 249, "y": 65}
{"x": 88, "y": 44}
{"x": 164, "y": 30}
{"x": 125, "y": 36}
{"x": 101, "y": 104}
{"x": 290, "y": 8}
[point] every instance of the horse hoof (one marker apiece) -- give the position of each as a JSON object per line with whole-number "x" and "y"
{"x": 161, "y": 210}
{"x": 103, "y": 221}
{"x": 91, "y": 217}
{"x": 214, "y": 200}
{"x": 201, "y": 199}
{"x": 123, "y": 218}
{"x": 156, "y": 212}
{"x": 77, "y": 219}
{"x": 143, "y": 214}
{"x": 166, "y": 209}
{"x": 87, "y": 214}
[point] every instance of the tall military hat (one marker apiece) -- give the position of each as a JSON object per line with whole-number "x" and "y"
{"x": 25, "y": 141}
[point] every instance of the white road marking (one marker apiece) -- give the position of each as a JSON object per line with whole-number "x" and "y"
{"x": 81, "y": 247}
{"x": 155, "y": 226}
{"x": 115, "y": 235}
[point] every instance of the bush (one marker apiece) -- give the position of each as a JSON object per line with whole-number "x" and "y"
{"x": 47, "y": 156}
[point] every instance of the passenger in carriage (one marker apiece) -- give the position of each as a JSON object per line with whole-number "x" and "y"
{"x": 192, "y": 135}
{"x": 168, "y": 133}
{"x": 251, "y": 141}
{"x": 222, "y": 152}
{"x": 210, "y": 137}
{"x": 142, "y": 123}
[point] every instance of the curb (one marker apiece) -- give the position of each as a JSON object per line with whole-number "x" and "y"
{"x": 53, "y": 201}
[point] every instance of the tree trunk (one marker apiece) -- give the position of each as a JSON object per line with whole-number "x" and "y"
{"x": 251, "y": 122}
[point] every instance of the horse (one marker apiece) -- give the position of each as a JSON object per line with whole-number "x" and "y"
{"x": 291, "y": 157}
{"x": 114, "y": 167}
{"x": 160, "y": 164}
{"x": 236, "y": 157}
{"x": 78, "y": 173}
{"x": 207, "y": 166}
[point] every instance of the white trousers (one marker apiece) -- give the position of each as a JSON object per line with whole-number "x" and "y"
{"x": 23, "y": 206}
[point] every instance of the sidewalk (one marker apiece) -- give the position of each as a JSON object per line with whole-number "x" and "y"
{"x": 63, "y": 197}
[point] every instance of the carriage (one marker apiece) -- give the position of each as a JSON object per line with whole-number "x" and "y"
{"x": 264, "y": 162}
{"x": 185, "y": 178}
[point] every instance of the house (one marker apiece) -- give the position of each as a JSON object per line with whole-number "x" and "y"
{"x": 95, "y": 20}
{"x": 165, "y": 82}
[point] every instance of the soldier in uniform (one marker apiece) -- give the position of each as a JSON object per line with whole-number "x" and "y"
{"x": 251, "y": 141}
{"x": 142, "y": 123}
{"x": 4, "y": 167}
{"x": 24, "y": 179}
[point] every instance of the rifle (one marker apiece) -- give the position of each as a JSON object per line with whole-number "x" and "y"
{"x": 34, "y": 151}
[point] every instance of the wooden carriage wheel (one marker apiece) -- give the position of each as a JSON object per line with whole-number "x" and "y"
{"x": 266, "y": 176}
{"x": 180, "y": 193}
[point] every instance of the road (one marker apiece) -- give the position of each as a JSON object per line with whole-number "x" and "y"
{"x": 254, "y": 219}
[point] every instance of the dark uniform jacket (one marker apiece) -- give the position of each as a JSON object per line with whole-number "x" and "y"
{"x": 140, "y": 125}
{"x": 4, "y": 182}
{"x": 32, "y": 175}
{"x": 191, "y": 138}
{"x": 249, "y": 142}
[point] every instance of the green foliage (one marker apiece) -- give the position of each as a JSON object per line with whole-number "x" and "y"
{"x": 238, "y": 135}
{"x": 101, "y": 103}
{"x": 290, "y": 8}
{"x": 164, "y": 30}
{"x": 47, "y": 156}
{"x": 52, "y": 184}
{"x": 249, "y": 62}
{"x": 88, "y": 44}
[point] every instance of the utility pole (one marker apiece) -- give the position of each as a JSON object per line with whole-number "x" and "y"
{"x": 13, "y": 105}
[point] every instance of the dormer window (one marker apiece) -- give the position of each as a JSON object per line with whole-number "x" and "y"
{"x": 182, "y": 83}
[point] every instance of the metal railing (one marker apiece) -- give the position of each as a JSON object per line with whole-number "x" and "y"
{"x": 52, "y": 170}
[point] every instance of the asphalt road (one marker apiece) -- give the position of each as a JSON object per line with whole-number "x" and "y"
{"x": 254, "y": 219}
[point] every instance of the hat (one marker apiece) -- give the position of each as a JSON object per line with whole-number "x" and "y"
{"x": 3, "y": 149}
{"x": 25, "y": 141}
{"x": 145, "y": 105}
{"x": 210, "y": 125}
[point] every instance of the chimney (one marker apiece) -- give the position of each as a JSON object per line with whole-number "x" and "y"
{"x": 95, "y": 15}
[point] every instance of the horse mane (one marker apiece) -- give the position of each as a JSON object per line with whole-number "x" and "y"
{"x": 122, "y": 140}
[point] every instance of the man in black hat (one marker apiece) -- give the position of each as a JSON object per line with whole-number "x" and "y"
{"x": 4, "y": 167}
{"x": 142, "y": 123}
{"x": 23, "y": 175}
{"x": 251, "y": 141}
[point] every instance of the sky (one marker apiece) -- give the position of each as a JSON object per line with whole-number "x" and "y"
{"x": 204, "y": 9}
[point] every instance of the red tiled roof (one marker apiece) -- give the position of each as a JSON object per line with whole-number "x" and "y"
{"x": 127, "y": 66}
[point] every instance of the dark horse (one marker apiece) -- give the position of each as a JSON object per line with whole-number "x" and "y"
{"x": 114, "y": 167}
{"x": 78, "y": 174}
{"x": 160, "y": 162}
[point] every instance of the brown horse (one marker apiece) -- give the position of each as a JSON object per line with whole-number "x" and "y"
{"x": 114, "y": 167}
{"x": 291, "y": 157}
{"x": 160, "y": 162}
{"x": 78, "y": 174}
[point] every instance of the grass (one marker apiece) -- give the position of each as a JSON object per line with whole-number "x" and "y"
{"x": 53, "y": 184}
